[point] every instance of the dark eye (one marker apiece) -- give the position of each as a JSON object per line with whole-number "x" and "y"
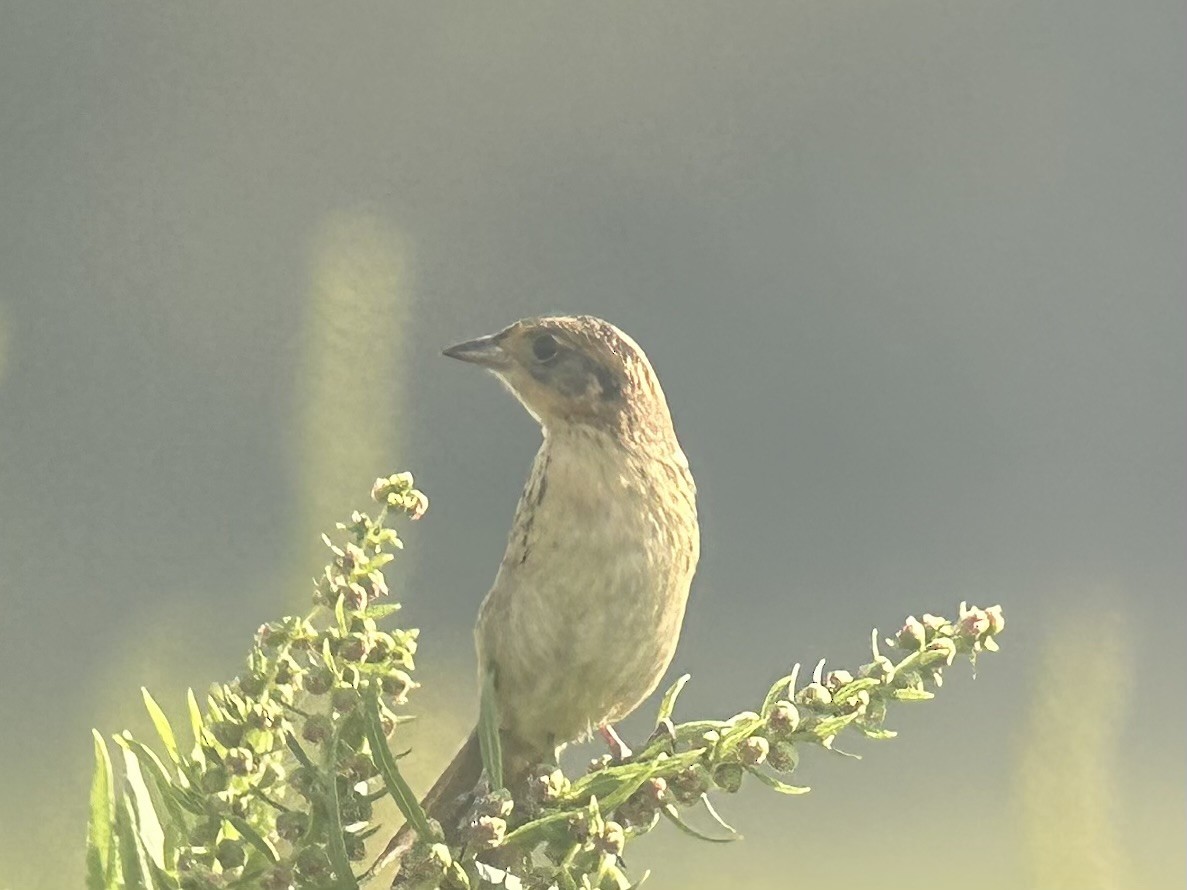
{"x": 544, "y": 347}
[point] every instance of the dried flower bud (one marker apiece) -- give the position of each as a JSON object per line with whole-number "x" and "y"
{"x": 814, "y": 695}
{"x": 997, "y": 620}
{"x": 317, "y": 728}
{"x": 358, "y": 767}
{"x": 239, "y": 761}
{"x": 494, "y": 803}
{"x": 344, "y": 699}
{"x": 728, "y": 776}
{"x": 944, "y": 645}
{"x": 304, "y": 781}
{"x": 486, "y": 832}
{"x": 354, "y": 597}
{"x": 880, "y": 669}
{"x": 398, "y": 684}
{"x": 292, "y": 825}
{"x": 355, "y": 647}
{"x": 835, "y": 680}
{"x": 547, "y": 785}
{"x": 783, "y": 757}
{"x": 253, "y": 684}
{"x": 230, "y": 853}
{"x": 313, "y": 866}
{"x": 612, "y": 839}
{"x": 912, "y": 635}
{"x": 754, "y": 750}
{"x": 655, "y": 791}
{"x": 855, "y": 703}
{"x": 972, "y": 625}
{"x": 279, "y": 877}
{"x": 690, "y": 783}
{"x": 319, "y": 680}
{"x": 935, "y": 624}
{"x": 784, "y": 719}
{"x": 356, "y": 847}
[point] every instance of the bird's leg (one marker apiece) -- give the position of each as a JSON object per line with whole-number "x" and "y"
{"x": 618, "y": 748}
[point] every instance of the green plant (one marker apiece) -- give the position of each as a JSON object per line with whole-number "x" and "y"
{"x": 287, "y": 760}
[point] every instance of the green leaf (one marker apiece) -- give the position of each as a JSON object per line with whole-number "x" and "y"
{"x": 102, "y": 817}
{"x": 340, "y": 613}
{"x": 195, "y": 713}
{"x": 716, "y": 817}
{"x": 134, "y": 864}
{"x": 673, "y": 816}
{"x": 336, "y": 846}
{"x": 396, "y": 786}
{"x": 909, "y": 694}
{"x": 527, "y": 836}
{"x": 298, "y": 752}
{"x": 876, "y": 734}
{"x": 830, "y": 726}
{"x": 161, "y": 722}
{"x": 772, "y": 782}
{"x": 488, "y": 733}
{"x": 148, "y": 825}
{"x": 168, "y": 798}
{"x": 253, "y": 837}
{"x": 382, "y": 610}
{"x": 780, "y": 689}
{"x": 668, "y": 703}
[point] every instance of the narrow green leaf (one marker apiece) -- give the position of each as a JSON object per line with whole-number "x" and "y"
{"x": 396, "y": 786}
{"x": 148, "y": 826}
{"x": 336, "y": 846}
{"x": 195, "y": 713}
{"x": 176, "y": 795}
{"x": 876, "y": 734}
{"x": 830, "y": 726}
{"x": 488, "y": 733}
{"x": 340, "y": 612}
{"x": 161, "y": 722}
{"x": 298, "y": 751}
{"x": 909, "y": 694}
{"x": 716, "y": 816}
{"x": 102, "y": 816}
{"x": 253, "y": 837}
{"x": 780, "y": 689}
{"x": 772, "y": 782}
{"x": 134, "y": 867}
{"x": 668, "y": 702}
{"x": 673, "y": 816}
{"x": 382, "y": 610}
{"x": 527, "y": 836}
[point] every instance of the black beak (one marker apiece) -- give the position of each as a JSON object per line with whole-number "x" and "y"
{"x": 484, "y": 351}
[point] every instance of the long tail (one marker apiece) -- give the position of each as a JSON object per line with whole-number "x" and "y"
{"x": 453, "y": 792}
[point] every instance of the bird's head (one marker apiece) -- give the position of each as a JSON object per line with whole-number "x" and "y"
{"x": 575, "y": 370}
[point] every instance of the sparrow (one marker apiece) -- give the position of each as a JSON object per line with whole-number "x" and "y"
{"x": 585, "y": 611}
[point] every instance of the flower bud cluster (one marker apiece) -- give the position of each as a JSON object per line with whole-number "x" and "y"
{"x": 289, "y": 736}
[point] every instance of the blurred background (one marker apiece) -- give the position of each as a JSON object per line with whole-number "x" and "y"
{"x": 912, "y": 274}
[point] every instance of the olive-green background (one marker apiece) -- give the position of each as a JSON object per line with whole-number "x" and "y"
{"x": 913, "y": 276}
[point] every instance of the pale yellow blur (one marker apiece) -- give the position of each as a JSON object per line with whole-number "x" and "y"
{"x": 350, "y": 392}
{"x": 1069, "y": 754}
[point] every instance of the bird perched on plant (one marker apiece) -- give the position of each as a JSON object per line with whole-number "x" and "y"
{"x": 586, "y": 608}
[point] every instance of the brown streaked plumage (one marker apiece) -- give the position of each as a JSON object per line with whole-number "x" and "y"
{"x": 586, "y": 608}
